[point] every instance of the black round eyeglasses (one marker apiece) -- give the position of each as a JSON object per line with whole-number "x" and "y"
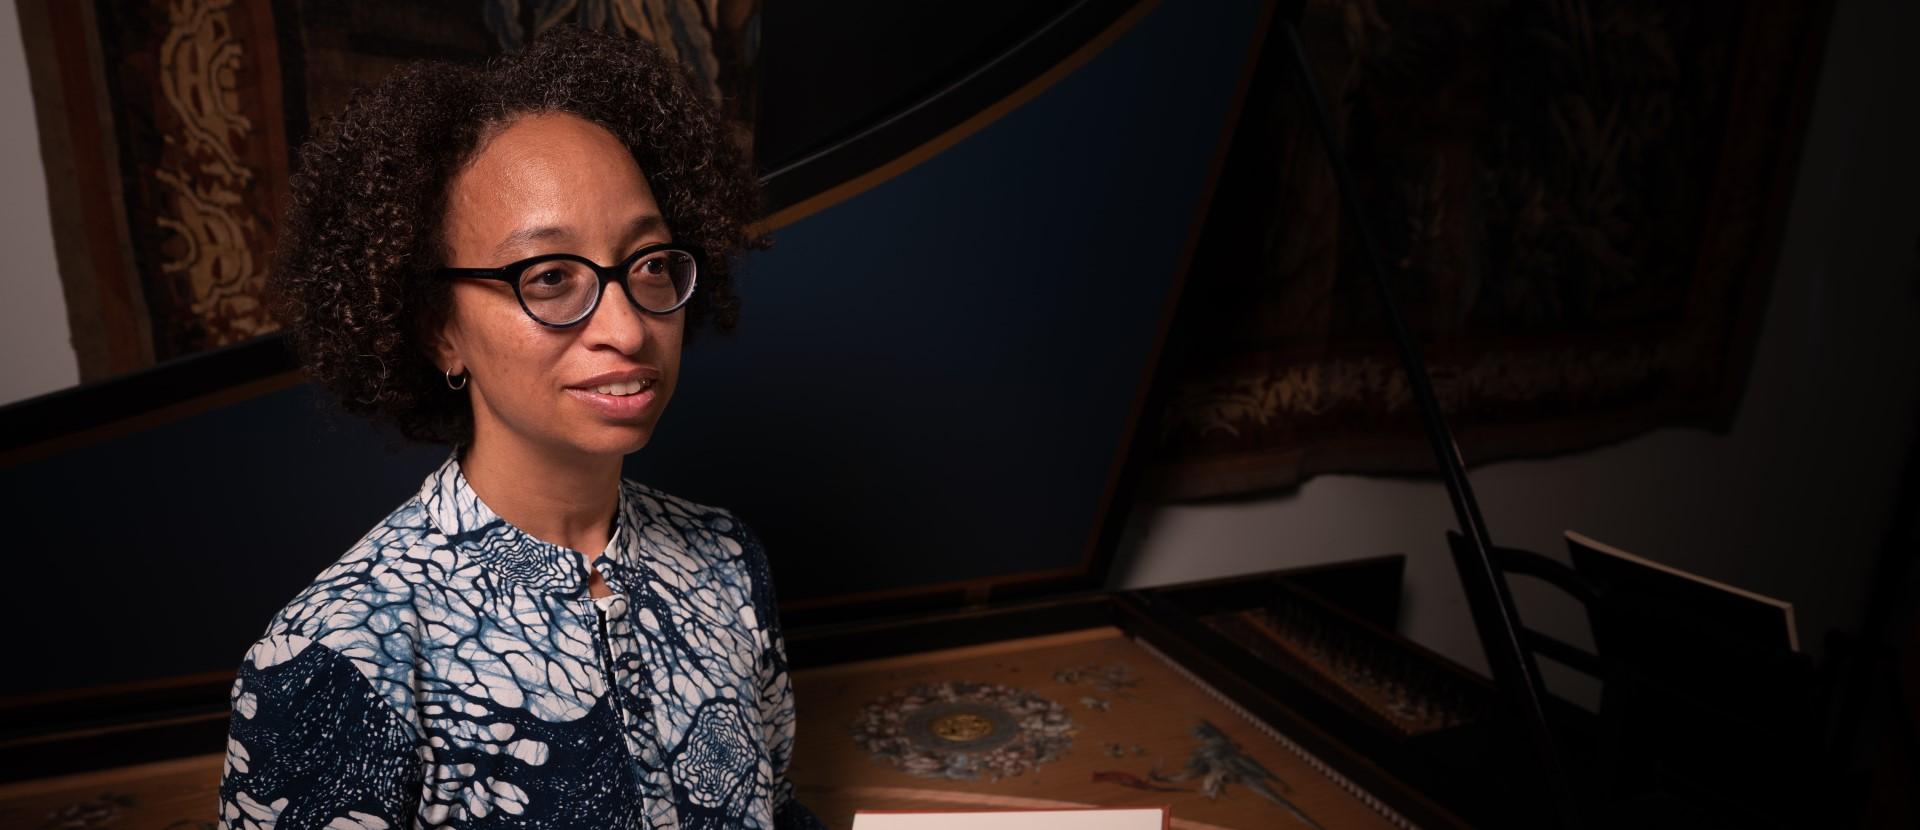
{"x": 562, "y": 290}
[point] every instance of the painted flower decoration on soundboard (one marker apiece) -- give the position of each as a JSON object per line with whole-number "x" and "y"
{"x": 964, "y": 730}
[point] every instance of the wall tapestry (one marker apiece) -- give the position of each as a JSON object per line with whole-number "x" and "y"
{"x": 198, "y": 105}
{"x": 1579, "y": 203}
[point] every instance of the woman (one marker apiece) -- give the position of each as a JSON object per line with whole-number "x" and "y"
{"x": 507, "y": 259}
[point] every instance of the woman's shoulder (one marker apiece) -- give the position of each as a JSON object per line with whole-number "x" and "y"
{"x": 703, "y": 524}
{"x": 707, "y": 538}
{"x": 359, "y": 610}
{"x": 373, "y": 573}
{"x": 361, "y": 602}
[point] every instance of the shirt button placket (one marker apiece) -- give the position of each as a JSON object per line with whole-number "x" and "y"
{"x": 605, "y": 645}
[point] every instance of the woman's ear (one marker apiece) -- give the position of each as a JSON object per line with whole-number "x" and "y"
{"x": 440, "y": 337}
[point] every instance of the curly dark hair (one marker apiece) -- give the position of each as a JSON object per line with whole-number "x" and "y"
{"x": 352, "y": 280}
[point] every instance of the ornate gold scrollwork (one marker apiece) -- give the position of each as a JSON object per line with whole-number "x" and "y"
{"x": 205, "y": 177}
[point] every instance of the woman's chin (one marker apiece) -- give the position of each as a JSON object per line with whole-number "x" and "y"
{"x": 615, "y": 441}
{"x": 599, "y": 440}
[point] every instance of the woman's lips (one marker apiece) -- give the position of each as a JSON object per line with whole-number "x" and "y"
{"x": 616, "y": 407}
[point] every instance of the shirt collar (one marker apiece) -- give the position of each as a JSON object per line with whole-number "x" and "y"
{"x": 511, "y": 553}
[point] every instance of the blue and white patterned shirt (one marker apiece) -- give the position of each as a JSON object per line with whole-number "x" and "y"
{"x": 453, "y": 671}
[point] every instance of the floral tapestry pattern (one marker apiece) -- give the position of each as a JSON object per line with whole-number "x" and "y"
{"x": 1578, "y": 204}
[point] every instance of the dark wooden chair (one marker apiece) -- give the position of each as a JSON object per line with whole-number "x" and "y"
{"x": 1695, "y": 728}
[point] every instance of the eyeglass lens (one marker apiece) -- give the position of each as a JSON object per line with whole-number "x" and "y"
{"x": 562, "y": 291}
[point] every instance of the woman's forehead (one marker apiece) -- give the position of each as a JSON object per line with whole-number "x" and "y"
{"x": 549, "y": 178}
{"x": 553, "y": 151}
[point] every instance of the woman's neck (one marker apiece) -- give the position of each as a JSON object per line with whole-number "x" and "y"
{"x": 563, "y": 499}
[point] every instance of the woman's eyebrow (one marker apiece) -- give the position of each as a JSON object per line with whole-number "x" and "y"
{"x": 638, "y": 227}
{"x": 643, "y": 225}
{"x": 519, "y": 238}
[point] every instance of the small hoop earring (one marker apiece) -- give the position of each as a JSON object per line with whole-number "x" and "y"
{"x": 463, "y": 382}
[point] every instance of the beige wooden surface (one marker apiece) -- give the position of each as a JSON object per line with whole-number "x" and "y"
{"x": 834, "y": 776}
{"x": 180, "y": 794}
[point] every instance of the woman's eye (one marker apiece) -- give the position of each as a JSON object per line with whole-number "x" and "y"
{"x": 547, "y": 284}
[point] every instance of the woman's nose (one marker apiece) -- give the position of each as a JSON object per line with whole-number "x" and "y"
{"x": 617, "y": 323}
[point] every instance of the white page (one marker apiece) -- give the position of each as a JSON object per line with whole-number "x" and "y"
{"x": 1151, "y": 818}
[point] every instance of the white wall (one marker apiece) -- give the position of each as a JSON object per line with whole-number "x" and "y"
{"x": 34, "y": 339}
{"x": 1794, "y": 502}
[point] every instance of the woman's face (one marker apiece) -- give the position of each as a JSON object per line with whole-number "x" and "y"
{"x": 556, "y": 183}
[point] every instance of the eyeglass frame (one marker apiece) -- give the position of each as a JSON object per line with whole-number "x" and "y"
{"x": 511, "y": 273}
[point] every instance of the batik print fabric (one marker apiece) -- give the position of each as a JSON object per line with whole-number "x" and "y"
{"x": 453, "y": 671}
